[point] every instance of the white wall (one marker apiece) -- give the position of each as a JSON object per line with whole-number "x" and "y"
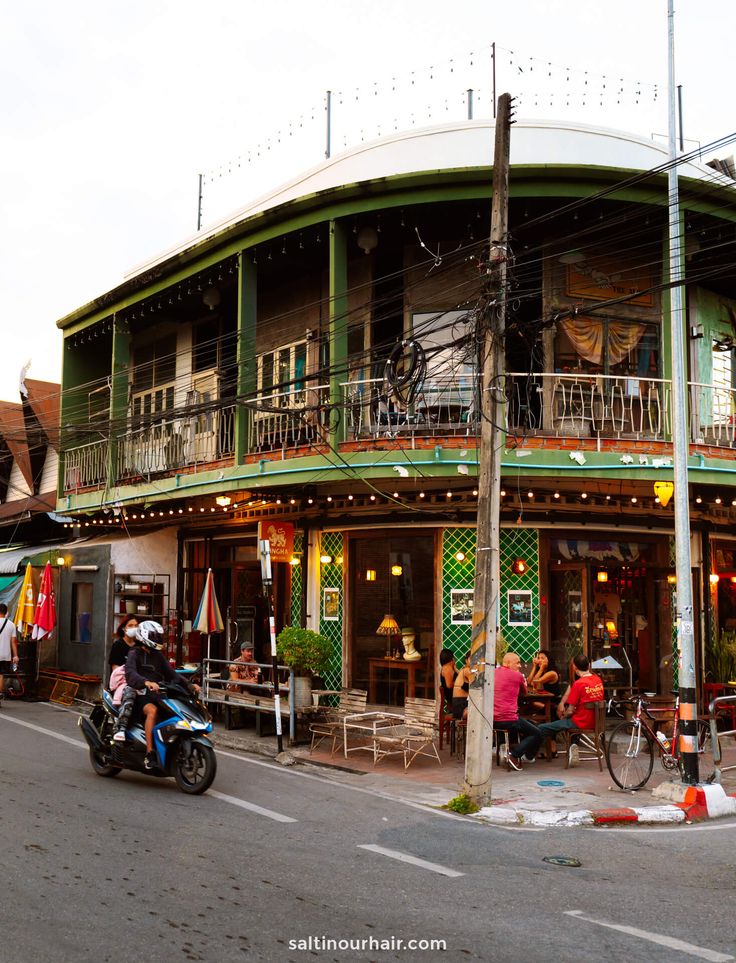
{"x": 152, "y": 554}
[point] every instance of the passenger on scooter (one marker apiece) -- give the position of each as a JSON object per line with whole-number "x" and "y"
{"x": 145, "y": 668}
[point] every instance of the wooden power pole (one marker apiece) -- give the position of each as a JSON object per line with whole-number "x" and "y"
{"x": 479, "y": 746}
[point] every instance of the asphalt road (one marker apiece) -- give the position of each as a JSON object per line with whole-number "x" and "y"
{"x": 130, "y": 868}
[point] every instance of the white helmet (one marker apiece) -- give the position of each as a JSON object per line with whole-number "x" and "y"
{"x": 150, "y": 634}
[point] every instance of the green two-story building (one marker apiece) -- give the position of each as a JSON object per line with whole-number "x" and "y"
{"x": 311, "y": 364}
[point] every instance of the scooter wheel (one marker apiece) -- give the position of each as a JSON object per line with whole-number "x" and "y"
{"x": 101, "y": 767}
{"x": 195, "y": 771}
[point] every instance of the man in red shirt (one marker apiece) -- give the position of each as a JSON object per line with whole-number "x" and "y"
{"x": 509, "y": 684}
{"x": 587, "y": 687}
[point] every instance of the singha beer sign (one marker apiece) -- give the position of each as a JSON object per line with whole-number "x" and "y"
{"x": 281, "y": 538}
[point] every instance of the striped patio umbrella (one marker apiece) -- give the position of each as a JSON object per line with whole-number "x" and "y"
{"x": 25, "y": 613}
{"x": 208, "y": 618}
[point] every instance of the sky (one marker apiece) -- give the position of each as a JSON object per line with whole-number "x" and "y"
{"x": 112, "y": 110}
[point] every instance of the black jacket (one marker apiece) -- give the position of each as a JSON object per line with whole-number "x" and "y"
{"x": 148, "y": 665}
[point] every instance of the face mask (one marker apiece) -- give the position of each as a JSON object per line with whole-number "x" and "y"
{"x": 130, "y": 633}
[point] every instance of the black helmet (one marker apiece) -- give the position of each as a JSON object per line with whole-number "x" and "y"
{"x": 150, "y": 634}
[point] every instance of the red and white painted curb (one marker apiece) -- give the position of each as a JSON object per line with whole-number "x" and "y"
{"x": 699, "y": 802}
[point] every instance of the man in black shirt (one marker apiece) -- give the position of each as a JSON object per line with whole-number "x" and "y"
{"x": 145, "y": 668}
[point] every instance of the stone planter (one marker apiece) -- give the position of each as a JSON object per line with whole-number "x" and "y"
{"x": 302, "y": 690}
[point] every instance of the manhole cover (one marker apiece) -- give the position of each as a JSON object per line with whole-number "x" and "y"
{"x": 550, "y": 782}
{"x": 562, "y": 860}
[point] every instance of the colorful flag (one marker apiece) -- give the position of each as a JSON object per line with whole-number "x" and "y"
{"x": 25, "y": 613}
{"x": 45, "y": 607}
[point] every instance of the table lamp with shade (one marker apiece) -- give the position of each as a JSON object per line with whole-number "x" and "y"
{"x": 389, "y": 627}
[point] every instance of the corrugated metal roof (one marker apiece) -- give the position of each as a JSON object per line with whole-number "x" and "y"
{"x": 12, "y": 558}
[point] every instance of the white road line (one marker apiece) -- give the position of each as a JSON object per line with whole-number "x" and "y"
{"x": 251, "y": 807}
{"x": 414, "y": 860}
{"x": 233, "y": 800}
{"x": 670, "y": 942}
{"x": 46, "y": 732}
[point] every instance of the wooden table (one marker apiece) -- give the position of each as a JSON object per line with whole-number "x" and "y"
{"x": 395, "y": 665}
{"x": 547, "y": 698}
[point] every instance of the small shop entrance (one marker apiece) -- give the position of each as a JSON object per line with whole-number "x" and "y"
{"x": 391, "y": 589}
{"x": 612, "y": 601}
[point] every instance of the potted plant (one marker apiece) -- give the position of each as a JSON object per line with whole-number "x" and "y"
{"x": 307, "y": 653}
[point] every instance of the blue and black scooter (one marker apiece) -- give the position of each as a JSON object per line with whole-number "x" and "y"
{"x": 179, "y": 738}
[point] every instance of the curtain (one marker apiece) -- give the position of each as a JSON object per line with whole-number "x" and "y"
{"x": 588, "y": 336}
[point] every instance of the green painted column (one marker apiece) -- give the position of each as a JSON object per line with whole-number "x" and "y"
{"x": 121, "y": 340}
{"x": 247, "y": 365}
{"x": 73, "y": 401}
{"x": 338, "y": 326}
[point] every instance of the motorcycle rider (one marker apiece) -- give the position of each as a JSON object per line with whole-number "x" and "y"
{"x": 145, "y": 668}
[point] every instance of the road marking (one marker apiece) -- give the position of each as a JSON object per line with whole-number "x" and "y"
{"x": 46, "y": 732}
{"x": 670, "y": 942}
{"x": 414, "y": 860}
{"x": 710, "y": 827}
{"x": 251, "y": 807}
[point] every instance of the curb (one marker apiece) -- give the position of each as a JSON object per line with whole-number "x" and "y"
{"x": 699, "y": 802}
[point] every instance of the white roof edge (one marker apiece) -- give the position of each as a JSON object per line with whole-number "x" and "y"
{"x": 322, "y": 176}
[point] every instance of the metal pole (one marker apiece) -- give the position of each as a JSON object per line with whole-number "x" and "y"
{"x": 329, "y": 122}
{"x": 681, "y": 450}
{"x": 478, "y": 756}
{"x": 264, "y": 550}
{"x": 679, "y": 115}
{"x": 470, "y": 103}
{"x": 199, "y": 204}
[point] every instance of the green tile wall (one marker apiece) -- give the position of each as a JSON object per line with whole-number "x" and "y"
{"x": 520, "y": 543}
{"x": 331, "y": 576}
{"x": 297, "y": 580}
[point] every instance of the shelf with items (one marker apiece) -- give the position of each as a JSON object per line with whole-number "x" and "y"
{"x": 143, "y": 596}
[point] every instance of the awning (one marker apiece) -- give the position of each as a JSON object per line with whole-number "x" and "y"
{"x": 11, "y": 559}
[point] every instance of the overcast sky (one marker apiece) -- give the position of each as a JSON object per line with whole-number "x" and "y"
{"x": 110, "y": 111}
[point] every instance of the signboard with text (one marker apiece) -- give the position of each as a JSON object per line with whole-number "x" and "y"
{"x": 281, "y": 538}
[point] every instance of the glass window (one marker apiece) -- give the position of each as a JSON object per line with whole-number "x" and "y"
{"x": 81, "y": 627}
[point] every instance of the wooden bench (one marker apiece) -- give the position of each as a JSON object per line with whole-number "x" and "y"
{"x": 415, "y": 737}
{"x": 253, "y": 701}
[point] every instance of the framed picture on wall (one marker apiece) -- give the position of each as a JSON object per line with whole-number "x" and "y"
{"x": 461, "y": 606}
{"x": 520, "y": 607}
{"x": 331, "y": 604}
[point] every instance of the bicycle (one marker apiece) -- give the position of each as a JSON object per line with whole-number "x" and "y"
{"x": 630, "y": 745}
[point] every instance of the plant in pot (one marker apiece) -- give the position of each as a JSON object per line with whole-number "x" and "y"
{"x": 307, "y": 653}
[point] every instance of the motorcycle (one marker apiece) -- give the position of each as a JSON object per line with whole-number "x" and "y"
{"x": 180, "y": 741}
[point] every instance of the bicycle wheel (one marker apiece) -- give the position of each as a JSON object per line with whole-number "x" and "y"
{"x": 629, "y": 755}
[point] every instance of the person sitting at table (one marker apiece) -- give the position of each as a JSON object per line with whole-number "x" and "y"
{"x": 544, "y": 676}
{"x": 460, "y": 690}
{"x": 448, "y": 673}
{"x": 572, "y": 712}
{"x": 509, "y": 687}
{"x": 240, "y": 670}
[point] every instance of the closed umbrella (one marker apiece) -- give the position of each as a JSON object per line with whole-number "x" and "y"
{"x": 25, "y": 613}
{"x": 45, "y": 620}
{"x": 208, "y": 618}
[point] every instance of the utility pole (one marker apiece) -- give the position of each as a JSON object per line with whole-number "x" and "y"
{"x": 479, "y": 754}
{"x": 680, "y": 450}
{"x": 264, "y": 551}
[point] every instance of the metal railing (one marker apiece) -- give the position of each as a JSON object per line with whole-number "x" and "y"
{"x": 716, "y": 736}
{"x": 286, "y": 420}
{"x": 257, "y": 696}
{"x": 163, "y": 446}
{"x": 446, "y": 404}
{"x": 589, "y": 405}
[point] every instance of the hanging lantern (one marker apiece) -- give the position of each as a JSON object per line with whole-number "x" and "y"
{"x": 663, "y": 491}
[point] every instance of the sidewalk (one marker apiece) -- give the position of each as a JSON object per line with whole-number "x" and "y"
{"x": 543, "y": 794}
